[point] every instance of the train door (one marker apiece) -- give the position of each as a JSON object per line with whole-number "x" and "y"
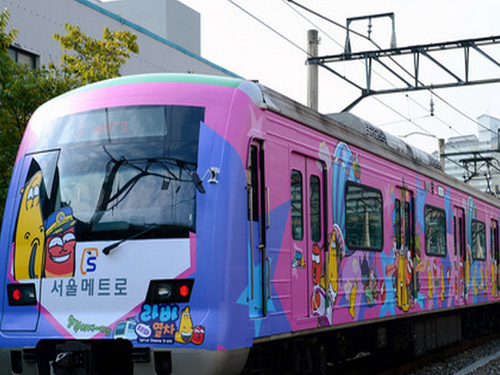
{"x": 460, "y": 252}
{"x": 406, "y": 260}
{"x": 495, "y": 256}
{"x": 258, "y": 227}
{"x": 307, "y": 215}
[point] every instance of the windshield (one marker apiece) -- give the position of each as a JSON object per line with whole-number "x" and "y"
{"x": 117, "y": 171}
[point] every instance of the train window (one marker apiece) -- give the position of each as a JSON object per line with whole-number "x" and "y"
{"x": 455, "y": 246}
{"x": 315, "y": 204}
{"x": 478, "y": 240}
{"x": 408, "y": 236}
{"x": 297, "y": 206}
{"x": 435, "y": 231}
{"x": 494, "y": 239}
{"x": 461, "y": 235}
{"x": 397, "y": 223}
{"x": 253, "y": 206}
{"x": 177, "y": 126}
{"x": 363, "y": 212}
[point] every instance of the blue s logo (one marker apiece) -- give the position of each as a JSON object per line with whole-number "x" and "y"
{"x": 89, "y": 260}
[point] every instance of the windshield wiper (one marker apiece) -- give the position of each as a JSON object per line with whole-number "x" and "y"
{"x": 198, "y": 182}
{"x": 108, "y": 248}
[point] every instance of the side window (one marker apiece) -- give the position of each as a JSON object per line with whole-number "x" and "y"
{"x": 461, "y": 235}
{"x": 363, "y": 213}
{"x": 435, "y": 231}
{"x": 408, "y": 231}
{"x": 455, "y": 245}
{"x": 397, "y": 223}
{"x": 297, "y": 206}
{"x": 478, "y": 240}
{"x": 253, "y": 205}
{"x": 315, "y": 204}
{"x": 494, "y": 239}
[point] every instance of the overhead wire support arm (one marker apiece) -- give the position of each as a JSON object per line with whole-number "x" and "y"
{"x": 385, "y": 56}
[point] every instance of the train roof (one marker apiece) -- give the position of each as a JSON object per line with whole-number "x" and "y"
{"x": 161, "y": 77}
{"x": 269, "y": 99}
{"x": 360, "y": 133}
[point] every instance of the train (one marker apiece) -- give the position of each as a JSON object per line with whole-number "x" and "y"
{"x": 182, "y": 223}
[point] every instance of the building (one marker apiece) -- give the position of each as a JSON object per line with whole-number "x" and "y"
{"x": 473, "y": 158}
{"x": 169, "y": 19}
{"x": 168, "y": 32}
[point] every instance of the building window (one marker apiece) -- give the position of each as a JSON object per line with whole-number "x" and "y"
{"x": 23, "y": 57}
{"x": 435, "y": 231}
{"x": 363, "y": 212}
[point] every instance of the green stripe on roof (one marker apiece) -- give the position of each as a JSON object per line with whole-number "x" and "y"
{"x": 161, "y": 77}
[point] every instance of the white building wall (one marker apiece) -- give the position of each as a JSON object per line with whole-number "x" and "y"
{"x": 486, "y": 141}
{"x": 168, "y": 19}
{"x": 488, "y": 130}
{"x": 38, "y": 20}
{"x": 181, "y": 17}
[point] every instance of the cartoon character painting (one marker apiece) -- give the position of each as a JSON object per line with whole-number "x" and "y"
{"x": 60, "y": 244}
{"x": 370, "y": 282}
{"x": 494, "y": 283}
{"x": 30, "y": 233}
{"x": 186, "y": 333}
{"x": 336, "y": 253}
{"x": 318, "y": 302}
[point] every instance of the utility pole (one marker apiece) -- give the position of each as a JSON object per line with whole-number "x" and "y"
{"x": 312, "y": 69}
{"x": 441, "y": 151}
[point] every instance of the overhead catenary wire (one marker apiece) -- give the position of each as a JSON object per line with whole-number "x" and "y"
{"x": 408, "y": 119}
{"x": 286, "y": 2}
{"x": 288, "y": 40}
{"x": 269, "y": 27}
{"x": 395, "y": 62}
{"x": 376, "y": 45}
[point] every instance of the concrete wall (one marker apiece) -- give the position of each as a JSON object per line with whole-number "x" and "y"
{"x": 38, "y": 20}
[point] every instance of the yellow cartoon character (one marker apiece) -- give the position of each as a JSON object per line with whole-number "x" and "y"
{"x": 467, "y": 266}
{"x": 474, "y": 282}
{"x": 493, "y": 279}
{"x": 30, "y": 233}
{"x": 334, "y": 258}
{"x": 402, "y": 290}
{"x": 442, "y": 294}
{"x": 430, "y": 282}
{"x": 185, "y": 331}
{"x": 352, "y": 298}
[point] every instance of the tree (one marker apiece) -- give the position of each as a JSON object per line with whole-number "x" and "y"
{"x": 94, "y": 60}
{"x": 23, "y": 89}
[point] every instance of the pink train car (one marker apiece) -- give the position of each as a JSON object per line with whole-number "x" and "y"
{"x": 178, "y": 224}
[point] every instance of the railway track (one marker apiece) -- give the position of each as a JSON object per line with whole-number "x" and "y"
{"x": 470, "y": 357}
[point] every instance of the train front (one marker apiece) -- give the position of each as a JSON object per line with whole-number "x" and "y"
{"x": 106, "y": 266}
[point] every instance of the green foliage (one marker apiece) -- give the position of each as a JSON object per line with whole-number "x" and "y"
{"x": 23, "y": 89}
{"x": 95, "y": 60}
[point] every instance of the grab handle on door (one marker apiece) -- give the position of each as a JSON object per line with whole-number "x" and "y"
{"x": 268, "y": 209}
{"x": 269, "y": 278}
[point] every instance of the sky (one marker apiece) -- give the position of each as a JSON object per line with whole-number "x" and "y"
{"x": 266, "y": 40}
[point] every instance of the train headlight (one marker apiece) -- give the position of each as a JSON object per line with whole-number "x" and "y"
{"x": 164, "y": 291}
{"x": 21, "y": 294}
{"x": 169, "y": 291}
